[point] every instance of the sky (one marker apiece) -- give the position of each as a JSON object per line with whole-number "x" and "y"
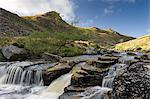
{"x": 128, "y": 17}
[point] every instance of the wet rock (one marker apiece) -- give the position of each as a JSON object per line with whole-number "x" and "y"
{"x": 79, "y": 59}
{"x": 86, "y": 74}
{"x": 13, "y": 53}
{"x": 70, "y": 95}
{"x": 133, "y": 83}
{"x": 51, "y": 57}
{"x": 106, "y": 58}
{"x": 131, "y": 53}
{"x": 75, "y": 88}
{"x": 89, "y": 80}
{"x": 55, "y": 72}
{"x": 101, "y": 64}
{"x": 94, "y": 70}
{"x": 96, "y": 93}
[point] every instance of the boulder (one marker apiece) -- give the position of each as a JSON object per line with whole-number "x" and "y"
{"x": 133, "y": 83}
{"x": 55, "y": 72}
{"x": 14, "y": 53}
{"x": 51, "y": 57}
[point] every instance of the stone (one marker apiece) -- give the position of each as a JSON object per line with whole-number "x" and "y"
{"x": 51, "y": 57}
{"x": 79, "y": 59}
{"x": 75, "y": 88}
{"x": 13, "y": 53}
{"x": 89, "y": 80}
{"x": 133, "y": 83}
{"x": 55, "y": 72}
{"x": 70, "y": 95}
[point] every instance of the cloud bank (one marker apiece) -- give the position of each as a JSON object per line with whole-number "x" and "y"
{"x": 31, "y": 7}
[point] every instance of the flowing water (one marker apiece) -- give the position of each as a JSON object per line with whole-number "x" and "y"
{"x": 98, "y": 92}
{"x": 23, "y": 80}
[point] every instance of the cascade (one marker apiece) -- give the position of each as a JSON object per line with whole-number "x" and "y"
{"x": 113, "y": 71}
{"x": 55, "y": 89}
{"x": 107, "y": 84}
{"x": 18, "y": 74}
{"x": 23, "y": 80}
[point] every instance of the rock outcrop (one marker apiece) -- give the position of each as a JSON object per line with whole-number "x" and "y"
{"x": 13, "y": 25}
{"x": 133, "y": 83}
{"x": 89, "y": 71}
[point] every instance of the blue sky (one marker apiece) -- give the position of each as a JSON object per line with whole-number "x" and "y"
{"x": 129, "y": 17}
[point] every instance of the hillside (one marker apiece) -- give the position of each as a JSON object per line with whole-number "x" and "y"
{"x": 48, "y": 32}
{"x": 141, "y": 44}
{"x": 13, "y": 25}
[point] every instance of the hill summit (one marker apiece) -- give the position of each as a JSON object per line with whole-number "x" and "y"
{"x": 48, "y": 32}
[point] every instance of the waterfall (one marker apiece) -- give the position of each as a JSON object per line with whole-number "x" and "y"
{"x": 23, "y": 80}
{"x": 17, "y": 74}
{"x": 107, "y": 84}
{"x": 59, "y": 84}
{"x": 55, "y": 89}
{"x": 113, "y": 71}
{"x": 23, "y": 73}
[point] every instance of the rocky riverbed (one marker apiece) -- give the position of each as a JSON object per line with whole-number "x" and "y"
{"x": 107, "y": 75}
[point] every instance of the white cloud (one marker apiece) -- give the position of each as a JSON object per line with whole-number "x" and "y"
{"x": 109, "y": 9}
{"x": 112, "y": 5}
{"x": 31, "y": 7}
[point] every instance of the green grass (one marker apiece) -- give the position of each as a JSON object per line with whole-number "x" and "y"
{"x": 56, "y": 43}
{"x": 40, "y": 42}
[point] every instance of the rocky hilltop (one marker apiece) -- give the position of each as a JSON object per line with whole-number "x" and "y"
{"x": 48, "y": 32}
{"x": 13, "y": 25}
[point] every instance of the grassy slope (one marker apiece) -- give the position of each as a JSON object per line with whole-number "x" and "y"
{"x": 52, "y": 34}
{"x": 54, "y": 23}
{"x": 142, "y": 42}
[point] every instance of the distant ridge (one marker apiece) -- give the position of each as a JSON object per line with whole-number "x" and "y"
{"x": 12, "y": 25}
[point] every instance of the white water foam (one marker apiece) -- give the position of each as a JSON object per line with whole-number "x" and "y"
{"x": 55, "y": 89}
